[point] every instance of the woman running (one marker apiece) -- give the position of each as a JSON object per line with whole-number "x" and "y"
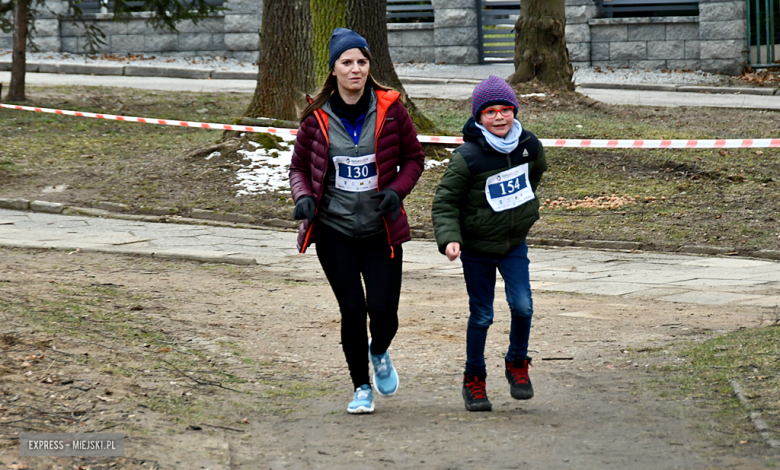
{"x": 356, "y": 157}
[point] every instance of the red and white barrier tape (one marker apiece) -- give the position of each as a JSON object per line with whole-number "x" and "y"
{"x": 164, "y": 122}
{"x": 430, "y": 139}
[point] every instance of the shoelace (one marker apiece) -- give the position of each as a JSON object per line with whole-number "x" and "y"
{"x": 519, "y": 374}
{"x": 362, "y": 394}
{"x": 381, "y": 369}
{"x": 477, "y": 388}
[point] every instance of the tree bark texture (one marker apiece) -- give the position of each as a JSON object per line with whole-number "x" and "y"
{"x": 540, "y": 45}
{"x": 19, "y": 57}
{"x": 286, "y": 70}
{"x": 369, "y": 19}
{"x": 326, "y": 15}
{"x": 294, "y": 50}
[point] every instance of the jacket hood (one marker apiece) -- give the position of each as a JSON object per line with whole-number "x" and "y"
{"x": 472, "y": 133}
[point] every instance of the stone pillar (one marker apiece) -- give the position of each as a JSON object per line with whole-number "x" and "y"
{"x": 243, "y": 23}
{"x": 578, "y": 13}
{"x": 455, "y": 34}
{"x": 723, "y": 36}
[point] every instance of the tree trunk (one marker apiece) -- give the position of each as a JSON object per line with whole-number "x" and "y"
{"x": 369, "y": 19}
{"x": 285, "y": 73}
{"x": 326, "y": 15}
{"x": 540, "y": 45}
{"x": 19, "y": 57}
{"x": 294, "y": 50}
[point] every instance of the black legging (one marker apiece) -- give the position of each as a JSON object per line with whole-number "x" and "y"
{"x": 344, "y": 259}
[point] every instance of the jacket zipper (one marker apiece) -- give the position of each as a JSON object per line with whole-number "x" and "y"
{"x": 357, "y": 213}
{"x": 380, "y": 126}
{"x": 512, "y": 214}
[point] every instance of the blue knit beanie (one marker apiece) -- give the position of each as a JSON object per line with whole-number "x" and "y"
{"x": 341, "y": 41}
{"x": 492, "y": 91}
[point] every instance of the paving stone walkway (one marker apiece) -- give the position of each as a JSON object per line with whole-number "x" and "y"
{"x": 660, "y": 276}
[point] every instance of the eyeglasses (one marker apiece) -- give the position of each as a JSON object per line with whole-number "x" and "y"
{"x": 506, "y": 111}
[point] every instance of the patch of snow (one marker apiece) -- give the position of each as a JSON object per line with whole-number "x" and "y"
{"x": 268, "y": 172}
{"x": 434, "y": 163}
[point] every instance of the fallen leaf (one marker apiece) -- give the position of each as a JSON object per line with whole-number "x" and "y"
{"x": 245, "y": 420}
{"x": 164, "y": 350}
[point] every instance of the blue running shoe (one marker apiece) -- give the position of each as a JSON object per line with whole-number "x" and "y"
{"x": 363, "y": 402}
{"x": 385, "y": 376}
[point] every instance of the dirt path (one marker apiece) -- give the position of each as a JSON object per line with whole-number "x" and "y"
{"x": 210, "y": 366}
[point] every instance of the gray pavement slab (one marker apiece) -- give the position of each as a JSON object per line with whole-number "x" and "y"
{"x": 144, "y": 83}
{"x": 469, "y": 72}
{"x": 661, "y": 276}
{"x": 764, "y": 301}
{"x": 454, "y": 91}
{"x": 678, "y": 99}
{"x": 709, "y": 297}
{"x": 597, "y": 288}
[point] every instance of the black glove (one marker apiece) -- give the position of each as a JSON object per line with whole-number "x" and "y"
{"x": 390, "y": 202}
{"x": 305, "y": 209}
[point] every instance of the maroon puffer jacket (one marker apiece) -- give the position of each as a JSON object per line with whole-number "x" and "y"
{"x": 396, "y": 145}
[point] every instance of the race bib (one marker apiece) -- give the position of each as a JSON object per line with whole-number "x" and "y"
{"x": 509, "y": 189}
{"x": 356, "y": 174}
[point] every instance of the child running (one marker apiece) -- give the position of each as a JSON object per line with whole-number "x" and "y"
{"x": 483, "y": 209}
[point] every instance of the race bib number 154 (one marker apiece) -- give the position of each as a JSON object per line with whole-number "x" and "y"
{"x": 509, "y": 189}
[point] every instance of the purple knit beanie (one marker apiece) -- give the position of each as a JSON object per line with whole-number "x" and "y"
{"x": 492, "y": 91}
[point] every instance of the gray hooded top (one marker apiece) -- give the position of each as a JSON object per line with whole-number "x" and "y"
{"x": 351, "y": 213}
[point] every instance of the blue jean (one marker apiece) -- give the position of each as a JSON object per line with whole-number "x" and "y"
{"x": 480, "y": 275}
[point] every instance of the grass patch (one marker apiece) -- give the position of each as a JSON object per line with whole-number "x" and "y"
{"x": 124, "y": 345}
{"x": 686, "y": 197}
{"x": 750, "y": 357}
{"x": 721, "y": 198}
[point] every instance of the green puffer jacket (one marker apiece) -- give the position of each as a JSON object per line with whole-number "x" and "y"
{"x": 461, "y": 212}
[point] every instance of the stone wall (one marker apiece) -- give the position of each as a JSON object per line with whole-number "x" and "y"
{"x": 714, "y": 41}
{"x": 47, "y": 36}
{"x": 234, "y": 33}
{"x": 411, "y": 42}
{"x": 645, "y": 43}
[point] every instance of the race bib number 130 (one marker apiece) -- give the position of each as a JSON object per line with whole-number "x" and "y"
{"x": 509, "y": 189}
{"x": 356, "y": 174}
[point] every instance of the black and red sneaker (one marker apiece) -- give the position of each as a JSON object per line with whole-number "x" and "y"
{"x": 474, "y": 393}
{"x": 519, "y": 382}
